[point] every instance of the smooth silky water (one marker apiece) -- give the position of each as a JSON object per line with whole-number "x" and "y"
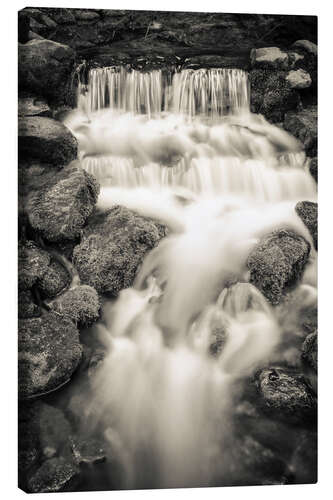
{"x": 185, "y": 150}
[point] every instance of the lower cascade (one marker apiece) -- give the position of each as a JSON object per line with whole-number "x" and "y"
{"x": 186, "y": 151}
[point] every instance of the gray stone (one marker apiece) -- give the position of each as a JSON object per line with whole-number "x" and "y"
{"x": 45, "y": 68}
{"x": 113, "y": 246}
{"x": 46, "y": 140}
{"x": 268, "y": 57}
{"x": 80, "y": 303}
{"x": 49, "y": 352}
{"x": 59, "y": 203}
{"x": 277, "y": 263}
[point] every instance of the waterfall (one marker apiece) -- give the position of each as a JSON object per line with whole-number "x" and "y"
{"x": 184, "y": 149}
{"x": 212, "y": 92}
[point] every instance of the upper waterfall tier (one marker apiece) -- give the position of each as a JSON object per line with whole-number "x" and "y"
{"x": 211, "y": 92}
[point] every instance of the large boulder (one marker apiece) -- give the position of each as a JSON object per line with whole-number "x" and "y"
{"x": 303, "y": 125}
{"x": 58, "y": 204}
{"x": 80, "y": 303}
{"x": 113, "y": 246}
{"x": 49, "y": 352}
{"x": 277, "y": 263}
{"x": 308, "y": 212}
{"x": 45, "y": 68}
{"x": 286, "y": 396}
{"x": 47, "y": 140}
{"x": 269, "y": 58}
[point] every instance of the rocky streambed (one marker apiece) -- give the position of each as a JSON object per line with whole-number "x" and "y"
{"x": 75, "y": 257}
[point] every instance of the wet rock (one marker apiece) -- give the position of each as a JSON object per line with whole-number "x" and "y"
{"x": 277, "y": 263}
{"x": 55, "y": 475}
{"x": 308, "y": 212}
{"x": 299, "y": 79}
{"x": 55, "y": 279}
{"x": 307, "y": 46}
{"x": 303, "y": 125}
{"x": 26, "y": 306}
{"x": 286, "y": 397}
{"x": 49, "y": 353}
{"x": 81, "y": 304}
{"x": 113, "y": 246}
{"x": 33, "y": 106}
{"x": 32, "y": 264}
{"x": 45, "y": 68}
{"x": 268, "y": 57}
{"x": 87, "y": 451}
{"x": 46, "y": 140}
{"x": 314, "y": 168}
{"x": 310, "y": 351}
{"x": 59, "y": 203}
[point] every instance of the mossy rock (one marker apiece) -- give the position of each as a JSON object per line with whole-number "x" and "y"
{"x": 277, "y": 263}
{"x": 59, "y": 204}
{"x": 303, "y": 125}
{"x": 80, "y": 303}
{"x": 114, "y": 244}
{"x": 286, "y": 396}
{"x": 49, "y": 353}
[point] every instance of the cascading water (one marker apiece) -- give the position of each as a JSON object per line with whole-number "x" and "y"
{"x": 185, "y": 150}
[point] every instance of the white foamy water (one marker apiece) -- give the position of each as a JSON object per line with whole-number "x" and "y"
{"x": 190, "y": 155}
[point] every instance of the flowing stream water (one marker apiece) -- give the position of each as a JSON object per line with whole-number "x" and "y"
{"x": 184, "y": 149}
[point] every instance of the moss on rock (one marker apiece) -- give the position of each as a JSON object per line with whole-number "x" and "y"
{"x": 49, "y": 353}
{"x": 286, "y": 396}
{"x": 81, "y": 304}
{"x": 277, "y": 263}
{"x": 59, "y": 203}
{"x": 113, "y": 246}
{"x": 55, "y": 279}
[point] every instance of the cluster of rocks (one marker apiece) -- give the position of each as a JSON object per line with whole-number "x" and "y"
{"x": 51, "y": 453}
{"x": 284, "y": 89}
